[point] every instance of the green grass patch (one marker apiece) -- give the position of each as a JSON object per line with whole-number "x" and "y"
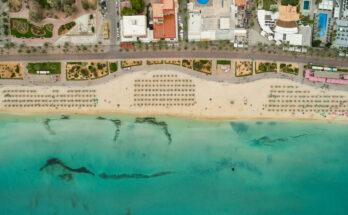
{"x": 53, "y": 67}
{"x": 78, "y": 63}
{"x": 113, "y": 67}
{"x": 223, "y": 62}
{"x": 342, "y": 70}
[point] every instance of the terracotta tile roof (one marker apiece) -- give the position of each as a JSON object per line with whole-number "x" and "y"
{"x": 288, "y": 13}
{"x": 157, "y": 10}
{"x": 166, "y": 29}
{"x": 239, "y": 2}
{"x": 168, "y": 4}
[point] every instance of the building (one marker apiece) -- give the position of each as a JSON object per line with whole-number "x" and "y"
{"x": 217, "y": 20}
{"x": 344, "y": 9}
{"x": 164, "y": 20}
{"x": 282, "y": 27}
{"x": 134, "y": 28}
{"x": 326, "y": 5}
{"x": 341, "y": 39}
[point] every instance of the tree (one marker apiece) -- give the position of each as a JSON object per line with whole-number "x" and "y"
{"x": 138, "y": 5}
{"x": 126, "y": 11}
{"x": 316, "y": 43}
{"x": 69, "y": 9}
{"x": 85, "y": 5}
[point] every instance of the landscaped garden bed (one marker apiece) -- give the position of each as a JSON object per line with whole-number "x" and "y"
{"x": 289, "y": 68}
{"x": 21, "y": 28}
{"x": 11, "y": 71}
{"x": 203, "y": 66}
{"x": 244, "y": 68}
{"x": 52, "y": 67}
{"x": 130, "y": 63}
{"x": 187, "y": 63}
{"x": 173, "y": 61}
{"x": 86, "y": 70}
{"x": 113, "y": 66}
{"x": 15, "y": 5}
{"x": 63, "y": 29}
{"x": 152, "y": 62}
{"x": 265, "y": 67}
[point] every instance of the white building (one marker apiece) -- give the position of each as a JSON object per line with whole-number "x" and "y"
{"x": 326, "y": 4}
{"x": 216, "y": 21}
{"x": 283, "y": 31}
{"x": 134, "y": 28}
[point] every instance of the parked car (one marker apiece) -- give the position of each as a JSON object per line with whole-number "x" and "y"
{"x": 118, "y": 25}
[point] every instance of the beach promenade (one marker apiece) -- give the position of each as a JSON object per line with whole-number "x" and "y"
{"x": 114, "y": 53}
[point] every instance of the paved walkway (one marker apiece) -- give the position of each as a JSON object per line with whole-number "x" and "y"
{"x": 217, "y": 78}
{"x": 24, "y": 13}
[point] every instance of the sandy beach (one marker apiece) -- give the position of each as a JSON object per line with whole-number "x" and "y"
{"x": 172, "y": 93}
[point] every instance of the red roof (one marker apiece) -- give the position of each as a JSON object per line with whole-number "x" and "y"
{"x": 167, "y": 29}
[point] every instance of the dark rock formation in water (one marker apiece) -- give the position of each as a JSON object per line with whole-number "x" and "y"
{"x": 55, "y": 161}
{"x": 134, "y": 175}
{"x": 298, "y": 136}
{"x": 48, "y": 121}
{"x": 272, "y": 123}
{"x": 267, "y": 141}
{"x": 259, "y": 123}
{"x": 239, "y": 127}
{"x": 48, "y": 127}
{"x": 153, "y": 121}
{"x": 117, "y": 124}
{"x": 64, "y": 117}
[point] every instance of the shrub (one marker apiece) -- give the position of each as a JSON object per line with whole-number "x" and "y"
{"x": 113, "y": 67}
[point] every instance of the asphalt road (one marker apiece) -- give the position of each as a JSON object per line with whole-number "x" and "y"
{"x": 114, "y": 54}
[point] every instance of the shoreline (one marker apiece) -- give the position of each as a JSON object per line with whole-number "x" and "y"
{"x": 177, "y": 116}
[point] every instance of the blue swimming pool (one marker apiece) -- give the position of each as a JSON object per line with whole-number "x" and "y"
{"x": 202, "y": 2}
{"x": 322, "y": 24}
{"x": 306, "y": 5}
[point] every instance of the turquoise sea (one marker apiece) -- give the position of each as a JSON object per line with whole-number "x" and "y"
{"x": 61, "y": 165}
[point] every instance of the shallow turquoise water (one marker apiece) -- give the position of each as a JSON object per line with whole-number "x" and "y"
{"x": 279, "y": 167}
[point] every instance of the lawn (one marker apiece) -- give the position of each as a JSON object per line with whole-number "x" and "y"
{"x": 223, "y": 62}
{"x": 113, "y": 66}
{"x": 21, "y": 28}
{"x": 53, "y": 67}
